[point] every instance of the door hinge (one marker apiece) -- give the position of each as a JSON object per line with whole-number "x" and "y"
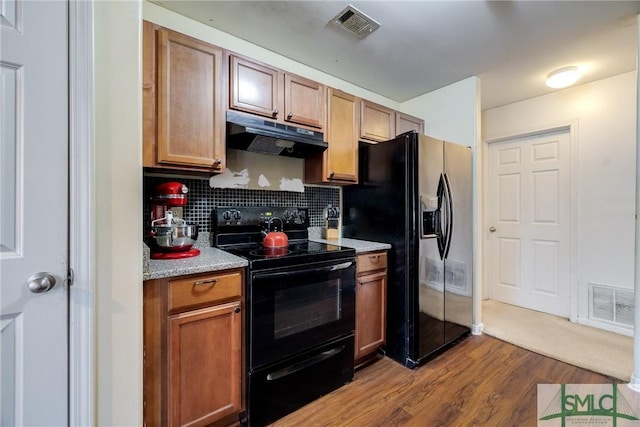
{"x": 70, "y": 276}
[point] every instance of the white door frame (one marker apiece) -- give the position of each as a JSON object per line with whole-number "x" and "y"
{"x": 572, "y": 128}
{"x": 81, "y": 210}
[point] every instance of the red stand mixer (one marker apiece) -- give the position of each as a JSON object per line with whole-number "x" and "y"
{"x": 171, "y": 237}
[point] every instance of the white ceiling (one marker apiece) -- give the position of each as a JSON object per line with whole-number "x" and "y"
{"x": 425, "y": 45}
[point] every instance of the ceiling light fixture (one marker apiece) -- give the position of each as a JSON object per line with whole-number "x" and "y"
{"x": 563, "y": 77}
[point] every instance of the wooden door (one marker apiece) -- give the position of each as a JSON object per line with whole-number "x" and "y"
{"x": 370, "y": 313}
{"x": 342, "y": 134}
{"x": 34, "y": 217}
{"x": 204, "y": 365}
{"x": 254, "y": 88}
{"x": 529, "y": 222}
{"x": 377, "y": 123}
{"x": 304, "y": 101}
{"x": 406, "y": 123}
{"x": 191, "y": 124}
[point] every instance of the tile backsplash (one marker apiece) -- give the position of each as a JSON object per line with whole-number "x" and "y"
{"x": 203, "y": 198}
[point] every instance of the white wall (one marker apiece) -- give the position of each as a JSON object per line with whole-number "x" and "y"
{"x": 451, "y": 113}
{"x": 605, "y": 113}
{"x": 118, "y": 206}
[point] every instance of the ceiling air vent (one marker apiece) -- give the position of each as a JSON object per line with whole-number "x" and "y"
{"x": 355, "y": 22}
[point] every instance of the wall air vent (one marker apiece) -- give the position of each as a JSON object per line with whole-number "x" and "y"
{"x": 614, "y": 305}
{"x": 355, "y": 22}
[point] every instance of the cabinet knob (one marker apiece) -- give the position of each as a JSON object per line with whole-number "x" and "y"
{"x": 217, "y": 163}
{"x": 236, "y": 310}
{"x": 275, "y": 113}
{"x": 289, "y": 116}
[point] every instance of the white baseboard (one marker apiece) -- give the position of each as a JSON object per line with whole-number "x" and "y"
{"x": 606, "y": 326}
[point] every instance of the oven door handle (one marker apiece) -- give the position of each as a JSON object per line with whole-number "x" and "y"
{"x": 297, "y": 367}
{"x": 327, "y": 269}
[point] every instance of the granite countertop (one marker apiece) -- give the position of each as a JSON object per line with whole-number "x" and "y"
{"x": 360, "y": 246}
{"x": 210, "y": 259}
{"x": 214, "y": 259}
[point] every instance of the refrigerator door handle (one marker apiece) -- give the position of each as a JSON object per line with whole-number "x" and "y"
{"x": 449, "y": 216}
{"x": 442, "y": 225}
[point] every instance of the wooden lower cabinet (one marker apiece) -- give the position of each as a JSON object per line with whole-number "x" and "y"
{"x": 371, "y": 305}
{"x": 193, "y": 360}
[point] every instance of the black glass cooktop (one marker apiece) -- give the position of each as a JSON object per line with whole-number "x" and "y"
{"x": 297, "y": 253}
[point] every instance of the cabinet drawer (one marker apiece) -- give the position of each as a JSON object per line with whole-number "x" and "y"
{"x": 204, "y": 289}
{"x": 371, "y": 262}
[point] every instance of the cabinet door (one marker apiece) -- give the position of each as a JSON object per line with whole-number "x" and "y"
{"x": 304, "y": 101}
{"x": 370, "y": 313}
{"x": 204, "y": 365}
{"x": 149, "y": 94}
{"x": 254, "y": 88}
{"x": 190, "y": 102}
{"x": 342, "y": 136}
{"x": 406, "y": 123}
{"x": 377, "y": 123}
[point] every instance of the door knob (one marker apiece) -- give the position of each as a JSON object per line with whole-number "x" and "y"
{"x": 492, "y": 229}
{"x": 41, "y": 282}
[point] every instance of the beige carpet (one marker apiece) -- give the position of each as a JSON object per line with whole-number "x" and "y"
{"x": 591, "y": 348}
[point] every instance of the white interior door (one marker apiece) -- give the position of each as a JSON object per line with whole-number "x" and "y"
{"x": 34, "y": 212}
{"x": 529, "y": 222}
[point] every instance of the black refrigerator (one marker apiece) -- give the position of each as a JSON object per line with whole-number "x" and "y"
{"x": 415, "y": 193}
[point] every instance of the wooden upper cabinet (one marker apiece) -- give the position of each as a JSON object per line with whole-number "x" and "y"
{"x": 339, "y": 163}
{"x": 304, "y": 101}
{"x": 254, "y": 88}
{"x": 406, "y": 123}
{"x": 342, "y": 134}
{"x": 377, "y": 123}
{"x": 183, "y": 101}
{"x": 259, "y": 89}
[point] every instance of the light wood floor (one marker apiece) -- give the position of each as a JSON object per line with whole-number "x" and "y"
{"x": 480, "y": 382}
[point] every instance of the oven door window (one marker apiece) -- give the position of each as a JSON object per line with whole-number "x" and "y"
{"x": 297, "y": 309}
{"x": 301, "y": 308}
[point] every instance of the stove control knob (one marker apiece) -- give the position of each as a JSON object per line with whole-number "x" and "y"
{"x": 237, "y": 216}
{"x": 287, "y": 215}
{"x": 226, "y": 216}
{"x": 302, "y": 214}
{"x": 294, "y": 214}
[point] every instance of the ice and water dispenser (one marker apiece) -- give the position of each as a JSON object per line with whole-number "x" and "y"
{"x": 430, "y": 211}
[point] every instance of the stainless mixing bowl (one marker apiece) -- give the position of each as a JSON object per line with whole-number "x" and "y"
{"x": 174, "y": 238}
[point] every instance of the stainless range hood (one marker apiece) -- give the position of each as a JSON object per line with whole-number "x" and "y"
{"x": 266, "y": 137}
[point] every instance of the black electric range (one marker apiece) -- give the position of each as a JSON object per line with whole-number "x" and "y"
{"x": 300, "y": 309}
{"x": 240, "y": 230}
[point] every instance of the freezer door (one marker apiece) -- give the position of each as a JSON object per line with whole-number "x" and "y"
{"x": 430, "y": 288}
{"x": 458, "y": 263}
